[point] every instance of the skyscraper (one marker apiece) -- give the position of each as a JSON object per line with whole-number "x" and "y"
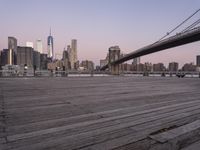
{"x": 12, "y": 47}
{"x": 39, "y": 47}
{"x": 50, "y": 46}
{"x": 73, "y": 53}
{"x": 12, "y": 44}
{"x": 36, "y": 59}
{"x": 66, "y": 62}
{"x": 4, "y": 57}
{"x": 25, "y": 56}
{"x": 43, "y": 61}
{"x": 65, "y": 54}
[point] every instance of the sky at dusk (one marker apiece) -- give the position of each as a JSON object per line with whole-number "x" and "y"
{"x": 99, "y": 24}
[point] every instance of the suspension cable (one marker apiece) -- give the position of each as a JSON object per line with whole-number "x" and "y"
{"x": 168, "y": 33}
{"x": 191, "y": 26}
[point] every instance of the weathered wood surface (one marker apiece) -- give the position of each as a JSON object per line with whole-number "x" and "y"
{"x": 194, "y": 146}
{"x": 176, "y": 138}
{"x": 92, "y": 112}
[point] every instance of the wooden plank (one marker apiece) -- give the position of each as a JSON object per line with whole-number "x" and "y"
{"x": 104, "y": 141}
{"x": 177, "y": 138}
{"x": 194, "y": 146}
{"x": 114, "y": 120}
{"x": 132, "y": 139}
{"x": 81, "y": 118}
{"x": 90, "y": 135}
{"x": 174, "y": 133}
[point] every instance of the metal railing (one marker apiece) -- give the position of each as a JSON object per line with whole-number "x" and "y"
{"x": 59, "y": 73}
{"x": 49, "y": 73}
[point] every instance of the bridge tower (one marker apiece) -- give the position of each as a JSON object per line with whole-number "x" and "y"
{"x": 114, "y": 54}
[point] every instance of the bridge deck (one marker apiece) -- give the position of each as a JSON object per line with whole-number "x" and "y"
{"x": 93, "y": 113}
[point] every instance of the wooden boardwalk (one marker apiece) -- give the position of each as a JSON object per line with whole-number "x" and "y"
{"x": 93, "y": 113}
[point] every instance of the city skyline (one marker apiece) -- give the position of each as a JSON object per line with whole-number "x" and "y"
{"x": 97, "y": 25}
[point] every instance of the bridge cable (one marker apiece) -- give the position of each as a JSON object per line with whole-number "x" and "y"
{"x": 168, "y": 33}
{"x": 191, "y": 26}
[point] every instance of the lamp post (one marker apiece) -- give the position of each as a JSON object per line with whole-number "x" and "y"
{"x": 25, "y": 69}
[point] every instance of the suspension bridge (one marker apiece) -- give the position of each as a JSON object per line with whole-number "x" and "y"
{"x": 188, "y": 35}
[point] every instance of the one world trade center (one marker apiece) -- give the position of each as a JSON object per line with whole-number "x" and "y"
{"x": 50, "y": 46}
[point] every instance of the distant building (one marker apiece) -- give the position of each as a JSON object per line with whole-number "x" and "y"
{"x": 73, "y": 54}
{"x": 25, "y": 56}
{"x": 77, "y": 64}
{"x": 43, "y": 61}
{"x": 140, "y": 67}
{"x": 11, "y": 57}
{"x": 198, "y": 60}
{"x": 0, "y": 60}
{"x": 55, "y": 65}
{"x": 12, "y": 47}
{"x": 126, "y": 67}
{"x": 69, "y": 55}
{"x": 39, "y": 46}
{"x": 65, "y": 54}
{"x": 29, "y": 44}
{"x": 136, "y": 61}
{"x": 159, "y": 67}
{"x": 12, "y": 44}
{"x": 69, "y": 49}
{"x": 148, "y": 67}
{"x": 189, "y": 67}
{"x": 173, "y": 67}
{"x": 50, "y": 46}
{"x": 87, "y": 65}
{"x": 4, "y": 57}
{"x": 7, "y": 57}
{"x": 65, "y": 58}
{"x": 36, "y": 59}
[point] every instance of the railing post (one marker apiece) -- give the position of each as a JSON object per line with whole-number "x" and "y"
{"x": 92, "y": 73}
{"x": 170, "y": 74}
{"x": 34, "y": 69}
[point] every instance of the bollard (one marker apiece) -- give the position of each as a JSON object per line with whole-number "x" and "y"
{"x": 63, "y": 71}
{"x": 51, "y": 73}
{"x": 170, "y": 74}
{"x": 1, "y": 74}
{"x": 162, "y": 74}
{"x": 34, "y": 69}
{"x": 146, "y": 74}
{"x": 92, "y": 73}
{"x": 66, "y": 74}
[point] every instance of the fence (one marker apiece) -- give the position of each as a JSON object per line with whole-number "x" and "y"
{"x": 48, "y": 73}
